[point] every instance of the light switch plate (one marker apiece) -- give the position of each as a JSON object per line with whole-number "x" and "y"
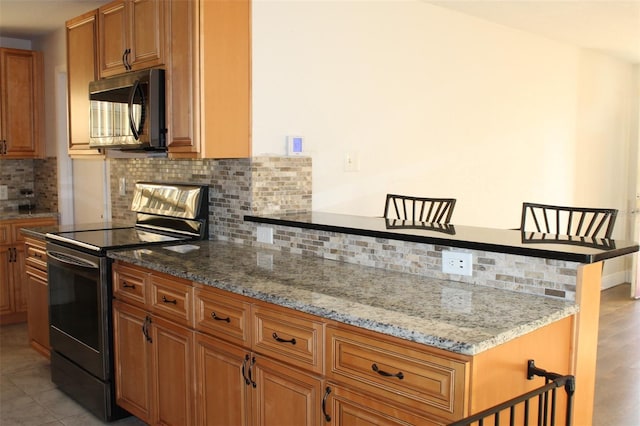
{"x": 4, "y": 192}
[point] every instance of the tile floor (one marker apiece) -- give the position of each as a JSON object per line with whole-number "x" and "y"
{"x": 27, "y": 396}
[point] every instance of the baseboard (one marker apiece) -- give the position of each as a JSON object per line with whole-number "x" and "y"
{"x": 614, "y": 279}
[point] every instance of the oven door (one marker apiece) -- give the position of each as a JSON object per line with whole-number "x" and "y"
{"x": 79, "y": 308}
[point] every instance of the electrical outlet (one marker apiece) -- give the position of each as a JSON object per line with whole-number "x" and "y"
{"x": 122, "y": 186}
{"x": 457, "y": 263}
{"x": 4, "y": 192}
{"x": 264, "y": 234}
{"x": 265, "y": 261}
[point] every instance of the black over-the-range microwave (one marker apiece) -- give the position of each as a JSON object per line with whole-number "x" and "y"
{"x": 128, "y": 111}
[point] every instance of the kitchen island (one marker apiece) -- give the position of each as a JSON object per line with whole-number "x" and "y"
{"x": 460, "y": 348}
{"x": 556, "y": 266}
{"x": 444, "y": 314}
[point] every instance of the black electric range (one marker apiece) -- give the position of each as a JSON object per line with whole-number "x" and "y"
{"x": 80, "y": 286}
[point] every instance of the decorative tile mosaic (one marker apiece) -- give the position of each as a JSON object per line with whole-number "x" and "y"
{"x": 273, "y": 184}
{"x": 17, "y": 175}
{"x": 498, "y": 270}
{"x": 236, "y": 187}
{"x": 46, "y": 184}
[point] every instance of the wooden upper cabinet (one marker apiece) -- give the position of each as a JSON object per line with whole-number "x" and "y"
{"x": 82, "y": 33}
{"x": 131, "y": 36}
{"x": 182, "y": 71}
{"x": 226, "y": 80}
{"x": 21, "y": 103}
{"x": 209, "y": 84}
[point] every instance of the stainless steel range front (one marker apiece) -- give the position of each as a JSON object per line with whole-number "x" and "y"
{"x": 80, "y": 288}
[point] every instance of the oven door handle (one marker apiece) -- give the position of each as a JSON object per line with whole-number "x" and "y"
{"x": 72, "y": 260}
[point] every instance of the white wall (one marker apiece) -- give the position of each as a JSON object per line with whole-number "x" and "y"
{"x": 85, "y": 188}
{"x": 438, "y": 103}
{"x": 15, "y": 43}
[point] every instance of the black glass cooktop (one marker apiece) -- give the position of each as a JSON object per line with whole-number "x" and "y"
{"x": 108, "y": 239}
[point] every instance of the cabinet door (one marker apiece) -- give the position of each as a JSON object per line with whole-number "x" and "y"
{"x": 347, "y": 408}
{"x": 147, "y": 32}
{"x": 22, "y": 103}
{"x": 113, "y": 37}
{"x": 183, "y": 106}
{"x": 81, "y": 70}
{"x": 222, "y": 390}
{"x": 132, "y": 360}
{"x": 38, "y": 313}
{"x": 6, "y": 280}
{"x": 285, "y": 396}
{"x": 173, "y": 373}
{"x": 21, "y": 292}
{"x": 226, "y": 79}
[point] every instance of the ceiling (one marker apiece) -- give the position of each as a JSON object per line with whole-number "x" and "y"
{"x": 611, "y": 26}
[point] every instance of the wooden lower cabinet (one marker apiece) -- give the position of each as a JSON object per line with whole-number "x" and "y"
{"x": 154, "y": 367}
{"x": 36, "y": 284}
{"x": 347, "y": 408}
{"x": 222, "y": 383}
{"x": 133, "y": 358}
{"x": 38, "y": 312}
{"x": 14, "y": 289}
{"x": 221, "y": 359}
{"x": 238, "y": 387}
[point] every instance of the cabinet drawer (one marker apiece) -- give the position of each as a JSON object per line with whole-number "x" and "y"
{"x": 347, "y": 407}
{"x": 289, "y": 336}
{"x": 172, "y": 298}
{"x": 424, "y": 380}
{"x": 130, "y": 284}
{"x": 36, "y": 255}
{"x": 222, "y": 316}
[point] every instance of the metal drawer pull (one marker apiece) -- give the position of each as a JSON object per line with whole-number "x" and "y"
{"x": 327, "y": 417}
{"x": 281, "y": 340}
{"x": 244, "y": 368}
{"x": 217, "y": 318}
{"x": 253, "y": 362}
{"x": 375, "y": 368}
{"x": 145, "y": 328}
{"x": 165, "y": 300}
{"x": 125, "y": 285}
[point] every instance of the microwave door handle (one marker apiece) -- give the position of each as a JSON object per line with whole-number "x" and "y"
{"x": 136, "y": 130}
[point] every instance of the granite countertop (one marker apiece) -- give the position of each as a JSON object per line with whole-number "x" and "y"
{"x": 573, "y": 249}
{"x": 15, "y": 214}
{"x": 457, "y": 317}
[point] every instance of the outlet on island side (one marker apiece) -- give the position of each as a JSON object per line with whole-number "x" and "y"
{"x": 264, "y": 235}
{"x": 457, "y": 263}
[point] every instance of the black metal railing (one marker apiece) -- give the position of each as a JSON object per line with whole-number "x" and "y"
{"x": 537, "y": 407}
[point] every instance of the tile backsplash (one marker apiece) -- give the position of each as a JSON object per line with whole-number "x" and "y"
{"x": 236, "y": 187}
{"x": 278, "y": 184}
{"x": 38, "y": 176}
